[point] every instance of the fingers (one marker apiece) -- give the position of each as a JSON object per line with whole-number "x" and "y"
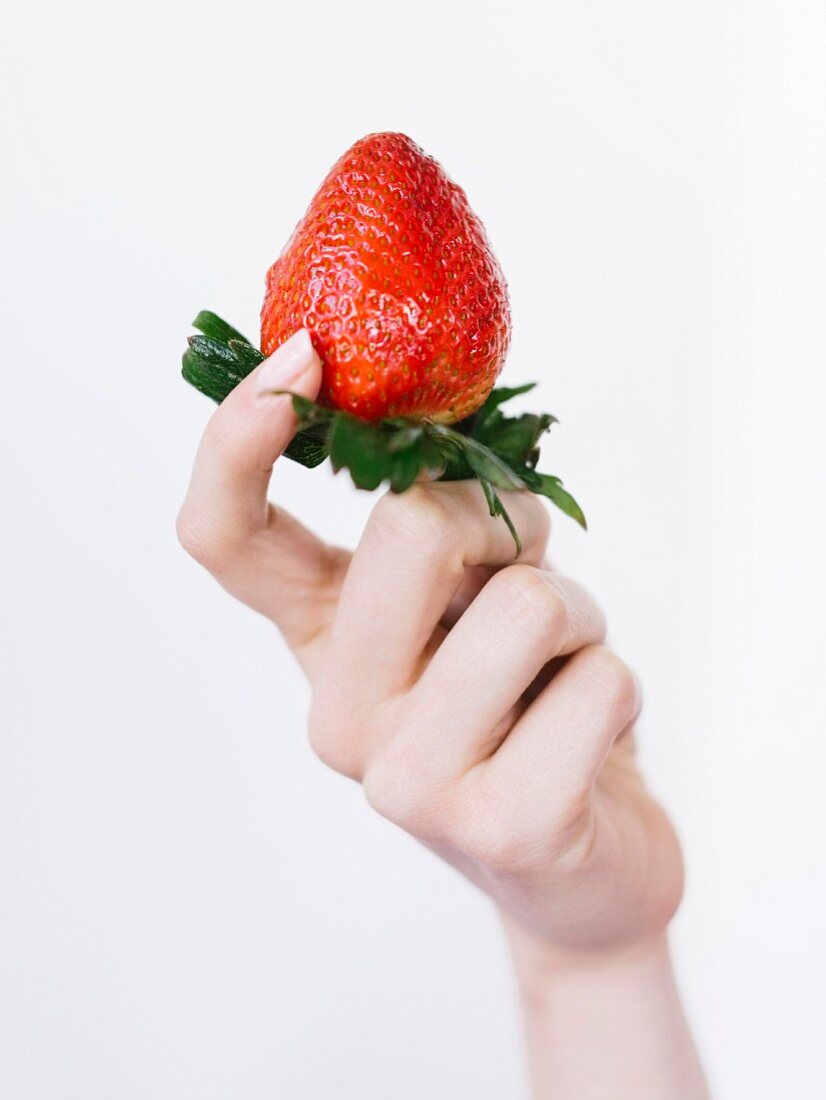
{"x": 408, "y": 566}
{"x": 411, "y": 561}
{"x": 551, "y": 758}
{"x": 263, "y": 556}
{"x": 534, "y": 792}
{"x": 523, "y": 618}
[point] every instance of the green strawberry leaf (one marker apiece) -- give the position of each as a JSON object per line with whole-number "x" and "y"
{"x": 214, "y": 366}
{"x": 246, "y": 353}
{"x": 515, "y": 439}
{"x": 214, "y": 351}
{"x": 311, "y": 443}
{"x": 482, "y": 461}
{"x": 405, "y": 467}
{"x": 211, "y": 375}
{"x": 308, "y": 413}
{"x": 499, "y": 396}
{"x": 358, "y": 446}
{"x": 309, "y": 447}
{"x": 500, "y": 451}
{"x": 551, "y": 487}
{"x": 406, "y": 436}
{"x": 497, "y": 508}
{"x": 455, "y": 466}
{"x": 210, "y": 324}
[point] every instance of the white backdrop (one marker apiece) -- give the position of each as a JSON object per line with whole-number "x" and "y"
{"x": 191, "y": 907}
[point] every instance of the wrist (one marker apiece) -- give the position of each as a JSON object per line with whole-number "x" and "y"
{"x": 604, "y": 1022}
{"x": 540, "y": 963}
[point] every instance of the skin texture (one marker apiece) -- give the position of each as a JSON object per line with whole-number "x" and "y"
{"x": 391, "y": 273}
{"x": 477, "y": 703}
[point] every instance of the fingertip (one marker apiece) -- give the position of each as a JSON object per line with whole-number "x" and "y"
{"x": 255, "y": 423}
{"x": 295, "y": 365}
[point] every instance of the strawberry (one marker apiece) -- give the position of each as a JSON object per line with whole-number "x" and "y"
{"x": 392, "y": 274}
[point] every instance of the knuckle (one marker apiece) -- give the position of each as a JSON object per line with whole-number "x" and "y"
{"x": 407, "y": 797}
{"x": 501, "y": 846}
{"x": 418, "y": 516}
{"x": 617, "y": 683}
{"x": 538, "y": 515}
{"x": 531, "y": 594}
{"x": 492, "y": 830}
{"x": 185, "y": 530}
{"x": 200, "y": 543}
{"x": 386, "y": 795}
{"x": 333, "y": 745}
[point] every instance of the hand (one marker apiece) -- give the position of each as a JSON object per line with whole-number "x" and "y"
{"x": 472, "y": 696}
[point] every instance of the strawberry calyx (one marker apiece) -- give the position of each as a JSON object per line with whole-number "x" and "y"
{"x": 500, "y": 451}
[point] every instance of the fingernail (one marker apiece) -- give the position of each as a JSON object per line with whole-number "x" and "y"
{"x": 286, "y": 365}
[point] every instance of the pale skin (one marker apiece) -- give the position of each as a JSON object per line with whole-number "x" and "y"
{"x": 475, "y": 700}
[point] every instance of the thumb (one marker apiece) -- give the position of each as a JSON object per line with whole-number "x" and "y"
{"x": 260, "y": 554}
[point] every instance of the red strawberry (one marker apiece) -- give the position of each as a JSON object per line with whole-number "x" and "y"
{"x": 391, "y": 272}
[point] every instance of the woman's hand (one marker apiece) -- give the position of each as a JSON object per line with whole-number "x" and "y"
{"x": 473, "y": 697}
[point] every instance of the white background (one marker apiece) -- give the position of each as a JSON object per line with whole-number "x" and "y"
{"x": 192, "y": 908}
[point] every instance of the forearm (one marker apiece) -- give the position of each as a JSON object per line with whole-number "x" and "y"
{"x": 602, "y": 1026}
